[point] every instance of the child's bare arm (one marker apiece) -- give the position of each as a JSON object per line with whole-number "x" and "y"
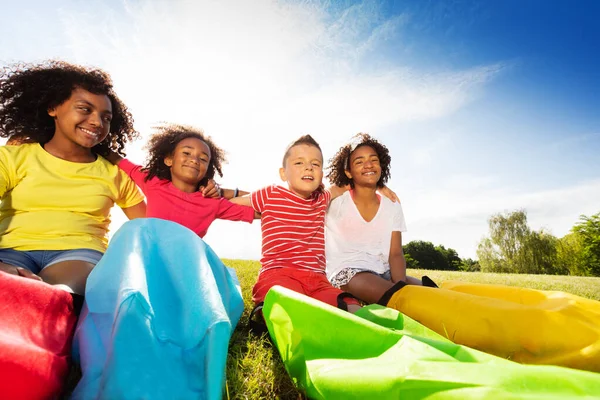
{"x": 337, "y": 191}
{"x": 213, "y": 190}
{"x": 389, "y": 193}
{"x": 396, "y": 258}
{"x": 245, "y": 201}
{"x": 234, "y": 193}
{"x": 113, "y": 157}
{"x": 137, "y": 211}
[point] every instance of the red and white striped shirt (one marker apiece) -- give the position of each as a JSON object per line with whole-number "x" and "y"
{"x": 293, "y": 228}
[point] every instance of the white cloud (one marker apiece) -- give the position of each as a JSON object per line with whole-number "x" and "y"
{"x": 257, "y": 74}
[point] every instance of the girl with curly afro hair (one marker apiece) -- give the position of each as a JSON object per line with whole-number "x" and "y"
{"x": 363, "y": 230}
{"x": 178, "y": 179}
{"x": 56, "y": 187}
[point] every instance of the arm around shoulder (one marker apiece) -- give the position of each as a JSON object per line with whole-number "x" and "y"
{"x": 337, "y": 191}
{"x": 245, "y": 201}
{"x": 113, "y": 157}
{"x": 390, "y": 194}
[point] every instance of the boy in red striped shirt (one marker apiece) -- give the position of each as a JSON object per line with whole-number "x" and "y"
{"x": 293, "y": 228}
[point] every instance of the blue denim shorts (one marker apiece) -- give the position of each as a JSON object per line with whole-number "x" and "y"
{"x": 37, "y": 260}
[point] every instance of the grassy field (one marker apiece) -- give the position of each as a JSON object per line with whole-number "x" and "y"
{"x": 255, "y": 371}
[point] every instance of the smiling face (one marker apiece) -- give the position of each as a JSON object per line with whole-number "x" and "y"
{"x": 83, "y": 120}
{"x": 364, "y": 167}
{"x": 188, "y": 164}
{"x": 303, "y": 169}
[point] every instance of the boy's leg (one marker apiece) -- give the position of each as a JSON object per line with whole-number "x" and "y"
{"x": 284, "y": 277}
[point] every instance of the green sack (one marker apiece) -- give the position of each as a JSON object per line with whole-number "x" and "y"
{"x": 380, "y": 353}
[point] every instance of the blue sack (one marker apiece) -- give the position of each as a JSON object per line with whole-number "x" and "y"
{"x": 159, "y": 311}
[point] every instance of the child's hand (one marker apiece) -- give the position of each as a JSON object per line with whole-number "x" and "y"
{"x": 387, "y": 192}
{"x": 212, "y": 189}
{"x": 25, "y": 273}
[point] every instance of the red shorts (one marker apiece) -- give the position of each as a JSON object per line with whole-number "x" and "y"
{"x": 310, "y": 283}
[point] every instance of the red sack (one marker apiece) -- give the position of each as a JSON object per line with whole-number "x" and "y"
{"x": 36, "y": 328}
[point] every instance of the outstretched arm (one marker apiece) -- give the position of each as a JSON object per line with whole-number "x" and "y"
{"x": 245, "y": 201}
{"x": 212, "y": 189}
{"x": 233, "y": 193}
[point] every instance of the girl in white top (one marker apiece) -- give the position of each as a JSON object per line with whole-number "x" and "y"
{"x": 363, "y": 230}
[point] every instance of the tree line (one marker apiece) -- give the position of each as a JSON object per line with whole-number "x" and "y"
{"x": 513, "y": 247}
{"x": 426, "y": 255}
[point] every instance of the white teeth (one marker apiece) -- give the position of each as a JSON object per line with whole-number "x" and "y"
{"x": 89, "y": 132}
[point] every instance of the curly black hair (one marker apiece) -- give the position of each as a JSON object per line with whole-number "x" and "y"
{"x": 339, "y": 163}
{"x": 163, "y": 143}
{"x": 28, "y": 91}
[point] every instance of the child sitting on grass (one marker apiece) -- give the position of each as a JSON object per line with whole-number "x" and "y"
{"x": 363, "y": 231}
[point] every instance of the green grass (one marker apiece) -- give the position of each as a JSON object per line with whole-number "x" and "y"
{"x": 255, "y": 371}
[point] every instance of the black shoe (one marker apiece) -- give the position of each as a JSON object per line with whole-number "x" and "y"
{"x": 427, "y": 281}
{"x": 256, "y": 322}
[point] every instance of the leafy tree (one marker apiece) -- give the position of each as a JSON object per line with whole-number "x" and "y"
{"x": 541, "y": 255}
{"x": 470, "y": 265}
{"x": 427, "y": 256}
{"x": 452, "y": 260}
{"x": 588, "y": 230}
{"x": 514, "y": 247}
{"x": 569, "y": 255}
{"x": 411, "y": 262}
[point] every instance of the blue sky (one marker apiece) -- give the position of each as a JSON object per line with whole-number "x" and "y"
{"x": 486, "y": 106}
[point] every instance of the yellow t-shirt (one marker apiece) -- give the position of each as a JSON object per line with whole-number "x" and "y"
{"x": 52, "y": 204}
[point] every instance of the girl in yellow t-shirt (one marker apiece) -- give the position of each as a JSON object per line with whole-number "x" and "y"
{"x": 56, "y": 187}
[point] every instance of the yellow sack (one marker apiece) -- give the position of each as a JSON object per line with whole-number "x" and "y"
{"x": 525, "y": 325}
